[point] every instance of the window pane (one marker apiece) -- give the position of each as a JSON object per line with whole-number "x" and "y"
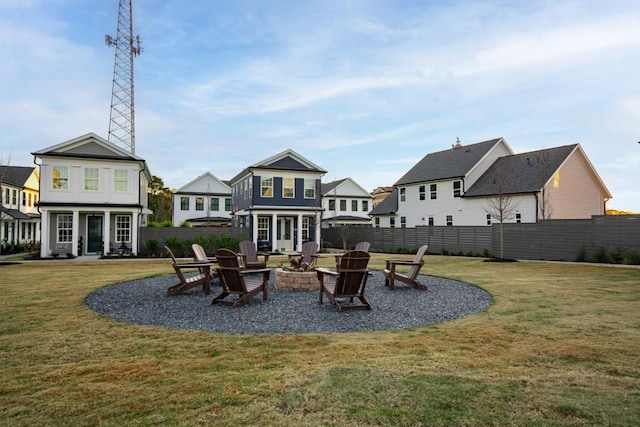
{"x": 91, "y": 179}
{"x": 65, "y": 228}
{"x": 354, "y": 205}
{"x": 60, "y": 177}
{"x": 123, "y": 228}
{"x": 184, "y": 203}
{"x": 227, "y": 204}
{"x": 343, "y": 205}
{"x": 365, "y": 206}
{"x": 267, "y": 187}
{"x": 288, "y": 190}
{"x": 199, "y": 203}
{"x": 215, "y": 204}
{"x": 120, "y": 180}
{"x": 309, "y": 188}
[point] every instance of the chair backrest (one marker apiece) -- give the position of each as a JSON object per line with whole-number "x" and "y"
{"x": 174, "y": 265}
{"x": 363, "y": 246}
{"x": 309, "y": 251}
{"x": 229, "y": 270}
{"x": 352, "y": 273}
{"x": 248, "y": 249}
{"x": 199, "y": 252}
{"x": 414, "y": 270}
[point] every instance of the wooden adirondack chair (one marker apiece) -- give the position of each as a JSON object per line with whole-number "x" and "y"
{"x": 348, "y": 282}
{"x": 410, "y": 278}
{"x": 201, "y": 255}
{"x": 237, "y": 281}
{"x": 360, "y": 246}
{"x": 249, "y": 256}
{"x": 203, "y": 277}
{"x": 309, "y": 253}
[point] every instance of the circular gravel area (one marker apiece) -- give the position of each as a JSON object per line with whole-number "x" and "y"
{"x": 145, "y": 302}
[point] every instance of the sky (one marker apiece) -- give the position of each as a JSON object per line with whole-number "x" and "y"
{"x": 362, "y": 88}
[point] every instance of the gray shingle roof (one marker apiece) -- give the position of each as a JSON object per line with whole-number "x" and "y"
{"x": 520, "y": 173}
{"x": 326, "y": 187}
{"x": 15, "y": 175}
{"x": 447, "y": 164}
{"x": 388, "y": 206}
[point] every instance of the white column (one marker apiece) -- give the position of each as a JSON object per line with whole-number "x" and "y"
{"x": 75, "y": 232}
{"x": 274, "y": 232}
{"x": 135, "y": 226}
{"x": 299, "y": 234}
{"x": 317, "y": 228}
{"x": 254, "y": 228}
{"x": 45, "y": 242}
{"x": 106, "y": 225}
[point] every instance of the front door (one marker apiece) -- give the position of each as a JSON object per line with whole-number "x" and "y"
{"x": 285, "y": 234}
{"x": 94, "y": 234}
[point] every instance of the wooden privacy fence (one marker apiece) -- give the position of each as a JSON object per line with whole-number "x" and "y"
{"x": 561, "y": 240}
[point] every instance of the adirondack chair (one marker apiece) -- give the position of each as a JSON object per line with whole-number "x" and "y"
{"x": 410, "y": 277}
{"x": 201, "y": 255}
{"x": 249, "y": 256}
{"x": 348, "y": 282}
{"x": 238, "y": 281}
{"x": 309, "y": 253}
{"x": 360, "y": 246}
{"x": 203, "y": 277}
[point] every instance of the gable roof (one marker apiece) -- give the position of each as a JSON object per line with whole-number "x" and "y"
{"x": 521, "y": 173}
{"x": 15, "y": 175}
{"x": 388, "y": 206}
{"x": 286, "y": 160}
{"x": 455, "y": 162}
{"x": 205, "y": 183}
{"x": 326, "y": 188}
{"x": 90, "y": 146}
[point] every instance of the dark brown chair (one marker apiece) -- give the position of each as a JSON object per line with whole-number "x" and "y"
{"x": 236, "y": 281}
{"x": 348, "y": 282}
{"x": 203, "y": 277}
{"x": 411, "y": 277}
{"x": 360, "y": 246}
{"x": 309, "y": 253}
{"x": 249, "y": 256}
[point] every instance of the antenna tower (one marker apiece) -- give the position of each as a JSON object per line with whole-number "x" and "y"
{"x": 121, "y": 120}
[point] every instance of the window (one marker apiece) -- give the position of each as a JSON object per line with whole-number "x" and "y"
{"x": 449, "y": 220}
{"x": 227, "y": 204}
{"x": 266, "y": 185}
{"x": 65, "y": 228}
{"x": 403, "y": 194}
{"x": 14, "y": 197}
{"x": 354, "y": 206}
{"x": 403, "y": 222}
{"x": 433, "y": 189}
{"x": 288, "y": 188}
{"x": 376, "y": 221}
{"x": 120, "y": 180}
{"x": 518, "y": 218}
{"x": 199, "y": 203}
{"x": 488, "y": 219}
{"x": 24, "y": 199}
{"x": 309, "y": 188}
{"x": 457, "y": 188}
{"x": 91, "y": 179}
{"x": 6, "y": 196}
{"x": 184, "y": 203}
{"x": 343, "y": 205}
{"x": 305, "y": 228}
{"x": 215, "y": 204}
{"x": 30, "y": 200}
{"x": 263, "y": 228}
{"x": 431, "y": 222}
{"x": 332, "y": 204}
{"x": 60, "y": 178}
{"x": 392, "y": 221}
{"x": 422, "y": 192}
{"x": 365, "y": 206}
{"x": 123, "y": 228}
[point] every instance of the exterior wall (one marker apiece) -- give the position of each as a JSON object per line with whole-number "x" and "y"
{"x": 573, "y": 193}
{"x": 481, "y": 167}
{"x": 23, "y": 199}
{"x": 349, "y": 192}
{"x": 179, "y": 215}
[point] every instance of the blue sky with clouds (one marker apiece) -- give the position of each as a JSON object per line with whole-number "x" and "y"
{"x": 362, "y": 88}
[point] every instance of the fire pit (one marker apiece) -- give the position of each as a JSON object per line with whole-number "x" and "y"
{"x": 296, "y": 280}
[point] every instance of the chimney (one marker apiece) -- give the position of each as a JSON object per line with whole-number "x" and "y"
{"x": 458, "y": 144}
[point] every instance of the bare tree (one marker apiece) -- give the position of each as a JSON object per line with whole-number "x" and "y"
{"x": 501, "y": 207}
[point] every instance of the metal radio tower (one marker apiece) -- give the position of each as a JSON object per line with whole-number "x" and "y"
{"x": 121, "y": 120}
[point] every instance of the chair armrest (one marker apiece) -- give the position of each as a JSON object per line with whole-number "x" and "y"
{"x": 252, "y": 271}
{"x": 403, "y": 262}
{"x": 326, "y": 271}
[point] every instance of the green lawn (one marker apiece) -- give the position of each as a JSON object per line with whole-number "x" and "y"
{"x": 559, "y": 346}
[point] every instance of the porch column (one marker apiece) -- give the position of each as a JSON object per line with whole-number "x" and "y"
{"x": 274, "y": 232}
{"x": 45, "y": 242}
{"x": 317, "y": 228}
{"x": 254, "y": 228}
{"x": 75, "y": 232}
{"x": 106, "y": 226}
{"x": 299, "y": 234}
{"x": 135, "y": 227}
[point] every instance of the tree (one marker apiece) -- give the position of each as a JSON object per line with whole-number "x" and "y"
{"x": 160, "y": 200}
{"x": 501, "y": 207}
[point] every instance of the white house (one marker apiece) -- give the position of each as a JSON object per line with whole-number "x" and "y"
{"x": 279, "y": 200}
{"x": 345, "y": 202}
{"x": 19, "y": 216}
{"x": 93, "y": 197}
{"x": 460, "y": 186}
{"x": 204, "y": 202}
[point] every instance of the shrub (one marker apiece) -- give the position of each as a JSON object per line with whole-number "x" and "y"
{"x": 166, "y": 223}
{"x": 152, "y": 247}
{"x": 185, "y": 224}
